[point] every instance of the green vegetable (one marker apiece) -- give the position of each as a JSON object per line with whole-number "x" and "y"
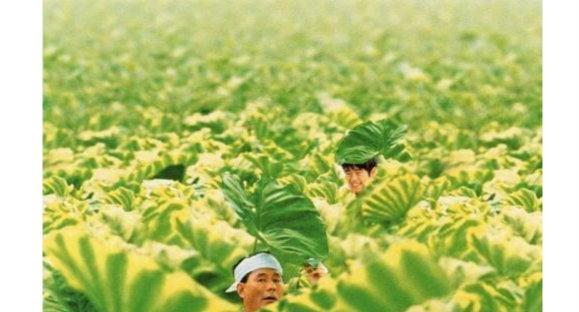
{"x": 280, "y": 218}
{"x": 369, "y": 140}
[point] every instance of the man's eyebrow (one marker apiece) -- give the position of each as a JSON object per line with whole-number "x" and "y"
{"x": 263, "y": 274}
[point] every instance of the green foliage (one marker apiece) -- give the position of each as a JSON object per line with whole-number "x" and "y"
{"x": 533, "y": 298}
{"x": 526, "y": 199}
{"x": 122, "y": 197}
{"x": 390, "y": 200}
{"x": 509, "y": 254}
{"x": 61, "y": 212}
{"x": 394, "y": 280}
{"x": 56, "y": 186}
{"x": 160, "y": 116}
{"x": 117, "y": 280}
{"x": 59, "y": 297}
{"x": 219, "y": 247}
{"x": 403, "y": 276}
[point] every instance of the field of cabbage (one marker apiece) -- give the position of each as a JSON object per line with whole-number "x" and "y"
{"x": 164, "y": 119}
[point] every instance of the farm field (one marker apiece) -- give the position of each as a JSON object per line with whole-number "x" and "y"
{"x": 163, "y": 120}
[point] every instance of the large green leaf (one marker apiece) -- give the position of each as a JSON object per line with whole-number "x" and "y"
{"x": 511, "y": 255}
{"x": 60, "y": 212}
{"x": 524, "y": 224}
{"x": 486, "y": 296}
{"x": 122, "y": 197}
{"x": 219, "y": 247}
{"x": 59, "y": 297}
{"x": 403, "y": 276}
{"x": 533, "y": 299}
{"x": 390, "y": 200}
{"x": 57, "y": 186}
{"x": 444, "y": 229}
{"x": 369, "y": 140}
{"x": 526, "y": 199}
{"x": 115, "y": 279}
{"x": 279, "y": 217}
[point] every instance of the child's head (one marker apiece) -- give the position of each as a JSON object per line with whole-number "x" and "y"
{"x": 359, "y": 175}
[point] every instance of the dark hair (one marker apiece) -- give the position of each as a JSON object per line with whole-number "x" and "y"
{"x": 244, "y": 279}
{"x": 368, "y": 165}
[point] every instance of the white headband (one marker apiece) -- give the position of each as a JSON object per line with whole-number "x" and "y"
{"x": 247, "y": 265}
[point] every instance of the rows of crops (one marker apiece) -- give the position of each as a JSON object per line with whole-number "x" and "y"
{"x": 163, "y": 119}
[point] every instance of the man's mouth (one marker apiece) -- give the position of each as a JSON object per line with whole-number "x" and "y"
{"x": 270, "y": 299}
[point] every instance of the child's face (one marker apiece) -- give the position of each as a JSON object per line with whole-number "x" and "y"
{"x": 358, "y": 178}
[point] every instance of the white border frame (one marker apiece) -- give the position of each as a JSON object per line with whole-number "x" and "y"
{"x": 560, "y": 155}
{"x": 21, "y": 155}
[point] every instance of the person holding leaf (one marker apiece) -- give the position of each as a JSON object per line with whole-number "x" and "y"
{"x": 258, "y": 281}
{"x": 360, "y": 149}
{"x": 359, "y": 153}
{"x": 282, "y": 220}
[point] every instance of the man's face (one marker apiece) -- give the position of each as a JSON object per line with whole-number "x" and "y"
{"x": 358, "y": 178}
{"x": 263, "y": 286}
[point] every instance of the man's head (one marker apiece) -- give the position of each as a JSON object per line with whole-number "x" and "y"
{"x": 258, "y": 281}
{"x": 359, "y": 175}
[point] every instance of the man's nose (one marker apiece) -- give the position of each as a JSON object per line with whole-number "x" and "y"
{"x": 270, "y": 285}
